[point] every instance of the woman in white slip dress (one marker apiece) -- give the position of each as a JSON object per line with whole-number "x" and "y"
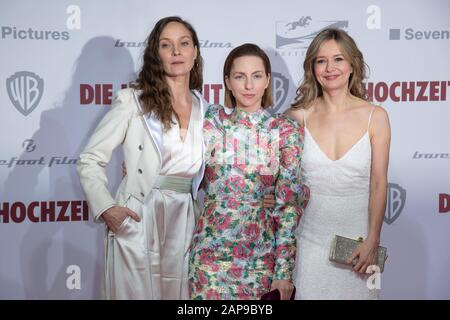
{"x": 345, "y": 163}
{"x": 159, "y": 122}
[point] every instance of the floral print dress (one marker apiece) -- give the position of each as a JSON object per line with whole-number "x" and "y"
{"x": 239, "y": 247}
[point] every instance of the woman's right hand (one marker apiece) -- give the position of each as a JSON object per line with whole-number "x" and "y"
{"x": 114, "y": 217}
{"x": 269, "y": 201}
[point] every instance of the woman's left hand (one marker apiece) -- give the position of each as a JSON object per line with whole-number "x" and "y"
{"x": 285, "y": 287}
{"x": 364, "y": 255}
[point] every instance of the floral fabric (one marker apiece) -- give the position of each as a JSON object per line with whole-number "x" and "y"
{"x": 239, "y": 247}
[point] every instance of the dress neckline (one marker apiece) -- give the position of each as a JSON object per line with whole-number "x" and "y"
{"x": 194, "y": 107}
{"x": 344, "y": 154}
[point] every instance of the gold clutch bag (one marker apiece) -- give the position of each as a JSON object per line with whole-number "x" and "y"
{"x": 342, "y": 248}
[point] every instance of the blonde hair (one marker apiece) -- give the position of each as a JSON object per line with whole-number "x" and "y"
{"x": 310, "y": 89}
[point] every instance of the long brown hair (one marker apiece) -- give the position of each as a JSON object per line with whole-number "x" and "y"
{"x": 155, "y": 96}
{"x": 247, "y": 49}
{"x": 310, "y": 88}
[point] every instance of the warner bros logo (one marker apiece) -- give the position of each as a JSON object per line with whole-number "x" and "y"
{"x": 25, "y": 90}
{"x": 395, "y": 202}
{"x": 280, "y": 89}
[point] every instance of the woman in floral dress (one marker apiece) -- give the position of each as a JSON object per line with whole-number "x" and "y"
{"x": 240, "y": 249}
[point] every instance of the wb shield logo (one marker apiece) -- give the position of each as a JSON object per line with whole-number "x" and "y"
{"x": 297, "y": 34}
{"x": 280, "y": 89}
{"x": 395, "y": 202}
{"x": 25, "y": 91}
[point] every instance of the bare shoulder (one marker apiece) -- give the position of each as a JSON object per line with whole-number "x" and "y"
{"x": 379, "y": 125}
{"x": 379, "y": 114}
{"x": 295, "y": 114}
{"x": 365, "y": 108}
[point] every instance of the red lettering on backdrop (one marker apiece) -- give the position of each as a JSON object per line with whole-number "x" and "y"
{"x": 44, "y": 211}
{"x": 215, "y": 89}
{"x": 99, "y": 94}
{"x": 408, "y": 91}
{"x": 444, "y": 203}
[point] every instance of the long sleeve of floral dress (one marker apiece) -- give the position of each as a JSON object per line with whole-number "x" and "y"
{"x": 291, "y": 197}
{"x": 214, "y": 133}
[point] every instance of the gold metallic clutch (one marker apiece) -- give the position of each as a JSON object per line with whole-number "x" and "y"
{"x": 342, "y": 248}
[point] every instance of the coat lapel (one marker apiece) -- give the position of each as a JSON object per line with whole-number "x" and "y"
{"x": 154, "y": 127}
{"x": 199, "y": 176}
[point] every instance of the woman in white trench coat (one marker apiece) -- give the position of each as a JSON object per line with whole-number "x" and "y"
{"x": 159, "y": 124}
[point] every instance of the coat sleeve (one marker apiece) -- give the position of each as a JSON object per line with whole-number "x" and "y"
{"x": 110, "y": 132}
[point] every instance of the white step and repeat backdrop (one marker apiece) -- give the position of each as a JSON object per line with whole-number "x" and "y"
{"x": 62, "y": 61}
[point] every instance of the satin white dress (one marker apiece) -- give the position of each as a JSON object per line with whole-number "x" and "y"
{"x": 149, "y": 259}
{"x": 338, "y": 205}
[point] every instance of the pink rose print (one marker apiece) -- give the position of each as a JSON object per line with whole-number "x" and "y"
{"x": 202, "y": 277}
{"x": 269, "y": 261}
{"x": 267, "y": 180}
{"x": 235, "y": 272}
{"x": 237, "y": 182}
{"x": 210, "y": 209}
{"x": 244, "y": 293}
{"x": 240, "y": 252}
{"x": 199, "y": 225}
{"x": 210, "y": 174}
{"x": 283, "y": 251}
{"x": 224, "y": 222}
{"x": 222, "y": 115}
{"x": 251, "y": 232}
{"x": 245, "y": 122}
{"x": 288, "y": 157}
{"x": 232, "y": 203}
{"x": 265, "y": 281}
{"x": 287, "y": 193}
{"x": 212, "y": 294}
{"x": 207, "y": 256}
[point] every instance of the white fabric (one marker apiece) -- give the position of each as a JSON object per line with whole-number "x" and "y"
{"x": 338, "y": 205}
{"x": 148, "y": 259}
{"x": 183, "y": 158}
{"x": 155, "y": 131}
{"x": 121, "y": 126}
